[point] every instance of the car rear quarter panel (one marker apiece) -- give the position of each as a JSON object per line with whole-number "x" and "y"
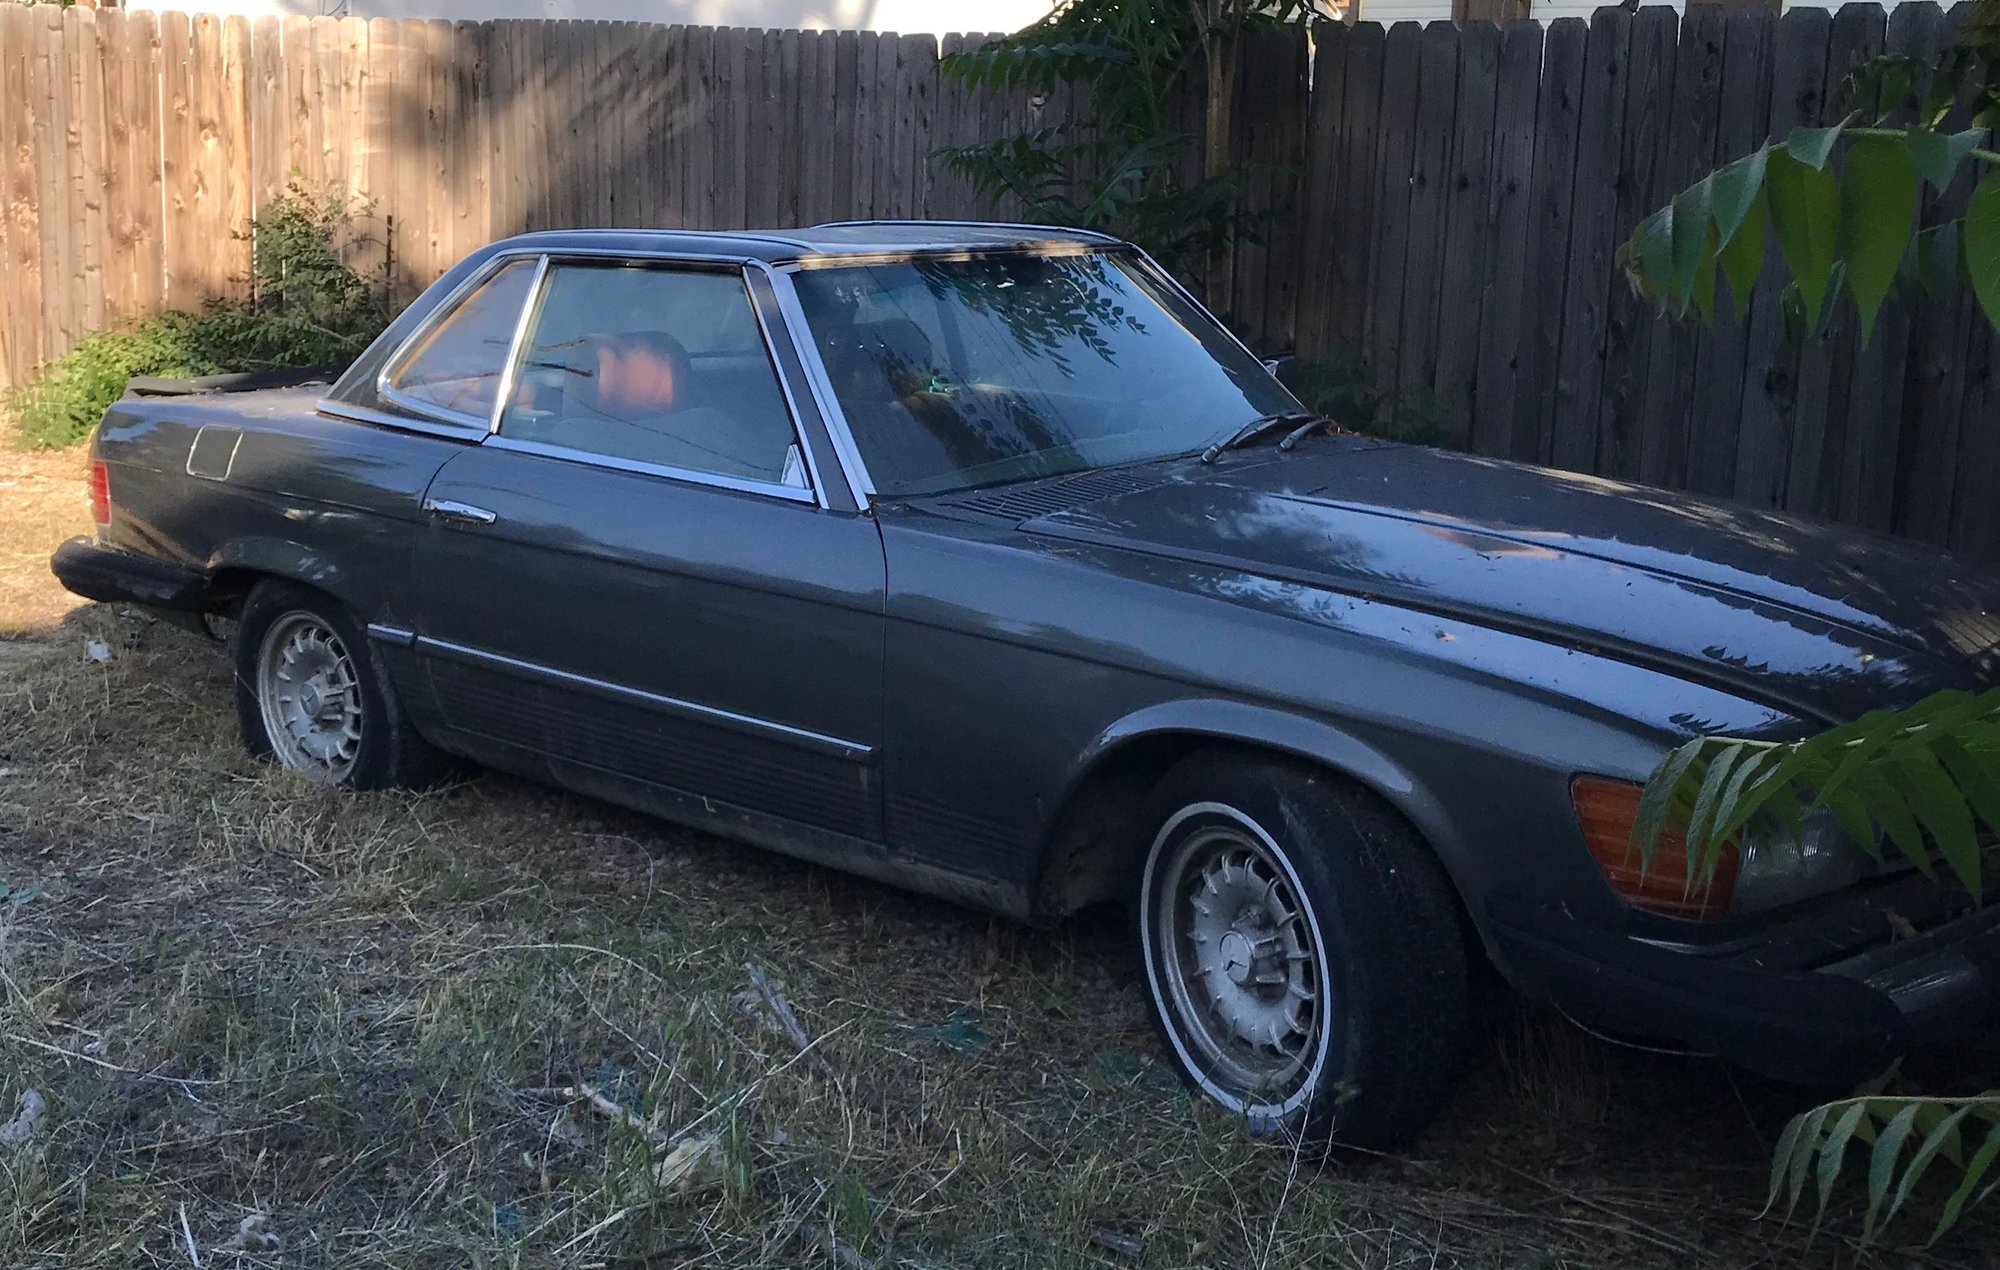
{"x": 301, "y": 495}
{"x": 1018, "y": 663}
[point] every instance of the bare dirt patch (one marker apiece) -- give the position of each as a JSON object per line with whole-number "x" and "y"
{"x": 42, "y": 502}
{"x": 364, "y": 1025}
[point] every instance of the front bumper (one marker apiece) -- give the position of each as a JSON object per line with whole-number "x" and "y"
{"x": 1800, "y": 1003}
{"x": 98, "y": 572}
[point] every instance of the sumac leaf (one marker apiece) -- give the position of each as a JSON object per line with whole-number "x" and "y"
{"x": 1735, "y": 190}
{"x": 1805, "y": 208}
{"x": 1878, "y": 195}
{"x": 1942, "y": 1140}
{"x": 1690, "y": 237}
{"x": 1882, "y": 1161}
{"x": 1982, "y": 245}
{"x": 1814, "y": 146}
{"x": 1975, "y": 1172}
{"x": 1742, "y": 255}
{"x": 1654, "y": 245}
{"x": 1704, "y": 280}
{"x": 1944, "y": 813}
{"x": 1833, "y": 1151}
{"x": 1937, "y": 155}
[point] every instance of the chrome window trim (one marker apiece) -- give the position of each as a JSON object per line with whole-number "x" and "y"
{"x": 791, "y": 402}
{"x": 901, "y": 255}
{"x": 1090, "y": 234}
{"x": 439, "y": 314}
{"x": 511, "y": 367}
{"x": 713, "y": 480}
{"x": 845, "y": 450}
{"x": 550, "y": 261}
{"x": 386, "y": 419}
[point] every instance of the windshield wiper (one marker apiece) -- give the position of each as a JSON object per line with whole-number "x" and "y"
{"x": 1255, "y": 428}
{"x": 1305, "y": 430}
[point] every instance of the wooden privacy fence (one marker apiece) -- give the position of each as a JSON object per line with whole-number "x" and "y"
{"x": 1466, "y": 193}
{"x": 139, "y": 144}
{"x": 1443, "y": 203}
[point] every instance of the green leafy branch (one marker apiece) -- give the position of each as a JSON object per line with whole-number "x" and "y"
{"x": 1843, "y": 201}
{"x": 1846, "y": 227}
{"x": 1906, "y": 1136}
{"x": 1926, "y": 778}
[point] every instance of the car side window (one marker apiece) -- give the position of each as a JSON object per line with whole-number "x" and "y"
{"x": 458, "y": 364}
{"x": 653, "y": 364}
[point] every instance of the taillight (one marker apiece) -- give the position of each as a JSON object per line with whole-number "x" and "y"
{"x": 1606, "y": 810}
{"x": 100, "y": 492}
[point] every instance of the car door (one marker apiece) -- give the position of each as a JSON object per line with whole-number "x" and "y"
{"x": 635, "y": 583}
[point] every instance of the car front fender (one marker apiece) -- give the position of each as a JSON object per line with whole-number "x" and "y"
{"x": 1302, "y": 736}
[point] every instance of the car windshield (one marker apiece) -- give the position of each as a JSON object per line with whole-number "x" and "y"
{"x": 965, "y": 372}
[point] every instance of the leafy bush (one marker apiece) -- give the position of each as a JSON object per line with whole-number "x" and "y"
{"x": 1345, "y": 391}
{"x": 1117, "y": 167}
{"x": 307, "y": 308}
{"x": 69, "y": 395}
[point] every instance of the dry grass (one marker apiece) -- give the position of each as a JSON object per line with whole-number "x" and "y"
{"x": 42, "y": 502}
{"x": 357, "y": 1016}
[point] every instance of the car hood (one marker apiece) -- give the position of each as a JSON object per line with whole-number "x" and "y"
{"x": 1822, "y": 621}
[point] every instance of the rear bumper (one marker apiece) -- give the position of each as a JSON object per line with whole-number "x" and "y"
{"x": 97, "y": 572}
{"x": 1833, "y": 1023}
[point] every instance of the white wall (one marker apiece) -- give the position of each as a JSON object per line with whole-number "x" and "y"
{"x": 907, "y": 16}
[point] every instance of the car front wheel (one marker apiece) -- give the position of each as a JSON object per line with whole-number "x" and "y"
{"x": 309, "y": 697}
{"x": 1302, "y": 951}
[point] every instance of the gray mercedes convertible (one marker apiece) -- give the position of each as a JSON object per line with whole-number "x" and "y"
{"x": 979, "y": 559}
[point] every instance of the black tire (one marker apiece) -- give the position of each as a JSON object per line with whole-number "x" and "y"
{"x": 1362, "y": 1066}
{"x": 387, "y": 752}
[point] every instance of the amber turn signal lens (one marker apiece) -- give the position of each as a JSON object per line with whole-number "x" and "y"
{"x": 1606, "y": 810}
{"x": 100, "y": 492}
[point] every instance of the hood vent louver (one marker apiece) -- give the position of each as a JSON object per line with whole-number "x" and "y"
{"x": 1047, "y": 498}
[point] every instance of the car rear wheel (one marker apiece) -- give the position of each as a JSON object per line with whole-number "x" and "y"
{"x": 1302, "y": 951}
{"x": 310, "y": 698}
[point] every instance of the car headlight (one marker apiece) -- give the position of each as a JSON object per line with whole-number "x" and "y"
{"x": 1769, "y": 870}
{"x": 1782, "y": 868}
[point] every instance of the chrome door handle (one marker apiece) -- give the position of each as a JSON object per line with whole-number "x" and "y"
{"x": 446, "y": 509}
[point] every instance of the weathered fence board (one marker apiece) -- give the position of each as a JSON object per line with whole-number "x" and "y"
{"x": 1469, "y": 226}
{"x": 1441, "y": 205}
{"x": 1488, "y": 409}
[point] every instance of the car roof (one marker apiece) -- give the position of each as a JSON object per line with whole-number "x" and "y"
{"x": 834, "y": 239}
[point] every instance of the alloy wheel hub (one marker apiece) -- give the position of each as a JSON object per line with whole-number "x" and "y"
{"x": 1240, "y": 924}
{"x": 311, "y": 698}
{"x": 1242, "y": 968}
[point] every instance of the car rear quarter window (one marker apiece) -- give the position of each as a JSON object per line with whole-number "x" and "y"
{"x": 456, "y": 366}
{"x": 660, "y": 366}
